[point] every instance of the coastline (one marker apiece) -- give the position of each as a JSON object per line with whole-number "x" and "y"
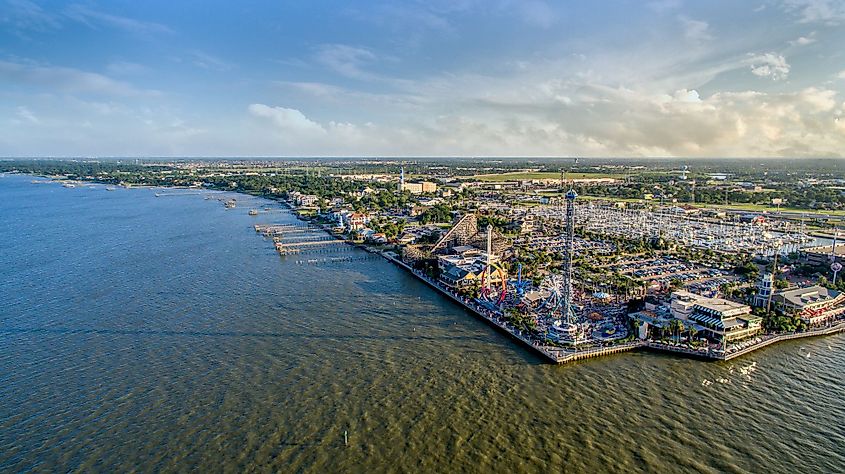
{"x": 549, "y": 354}
{"x": 559, "y": 355}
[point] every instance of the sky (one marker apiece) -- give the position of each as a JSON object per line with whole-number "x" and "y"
{"x": 528, "y": 78}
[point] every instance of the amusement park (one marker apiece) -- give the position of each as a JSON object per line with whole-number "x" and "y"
{"x": 471, "y": 264}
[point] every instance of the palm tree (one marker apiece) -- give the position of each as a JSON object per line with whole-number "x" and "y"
{"x": 692, "y": 332}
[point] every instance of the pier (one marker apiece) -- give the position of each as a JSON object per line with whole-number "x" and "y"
{"x": 295, "y": 247}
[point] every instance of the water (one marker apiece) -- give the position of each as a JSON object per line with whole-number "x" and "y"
{"x": 165, "y": 334}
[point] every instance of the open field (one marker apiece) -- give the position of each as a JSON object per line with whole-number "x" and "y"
{"x": 517, "y": 176}
{"x": 772, "y": 209}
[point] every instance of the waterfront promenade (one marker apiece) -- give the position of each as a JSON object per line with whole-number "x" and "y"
{"x": 559, "y": 355}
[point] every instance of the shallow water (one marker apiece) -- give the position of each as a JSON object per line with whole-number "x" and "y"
{"x": 165, "y": 334}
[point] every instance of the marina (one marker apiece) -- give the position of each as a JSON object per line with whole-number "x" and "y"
{"x": 754, "y": 236}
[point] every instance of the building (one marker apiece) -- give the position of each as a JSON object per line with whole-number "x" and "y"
{"x": 419, "y": 188}
{"x": 306, "y": 200}
{"x": 467, "y": 267}
{"x": 413, "y": 188}
{"x": 815, "y": 305}
{"x": 822, "y": 255}
{"x": 764, "y": 290}
{"x": 356, "y": 220}
{"x": 456, "y": 277}
{"x": 722, "y": 319}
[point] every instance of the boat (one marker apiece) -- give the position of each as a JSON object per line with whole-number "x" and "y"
{"x": 253, "y": 212}
{"x": 69, "y": 185}
{"x": 230, "y": 204}
{"x": 111, "y": 188}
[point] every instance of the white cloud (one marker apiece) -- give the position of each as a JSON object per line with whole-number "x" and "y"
{"x": 288, "y": 121}
{"x": 804, "y": 40}
{"x": 841, "y": 74}
{"x": 696, "y": 30}
{"x": 817, "y": 11}
{"x": 346, "y": 60}
{"x": 94, "y": 18}
{"x": 208, "y": 61}
{"x": 65, "y": 79}
{"x": 24, "y": 15}
{"x": 769, "y": 65}
{"x": 632, "y": 123}
{"x": 820, "y": 100}
{"x": 27, "y": 115}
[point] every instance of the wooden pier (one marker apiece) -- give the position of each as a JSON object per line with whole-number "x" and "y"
{"x": 296, "y": 247}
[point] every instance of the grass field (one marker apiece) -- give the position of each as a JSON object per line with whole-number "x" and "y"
{"x": 770, "y": 208}
{"x": 542, "y": 175}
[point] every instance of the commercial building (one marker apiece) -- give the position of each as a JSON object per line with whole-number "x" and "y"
{"x": 822, "y": 255}
{"x": 467, "y": 267}
{"x": 419, "y": 188}
{"x": 764, "y": 290}
{"x": 815, "y": 305}
{"x": 304, "y": 199}
{"x": 722, "y": 319}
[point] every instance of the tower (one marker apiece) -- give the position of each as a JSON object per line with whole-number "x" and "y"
{"x": 489, "y": 254}
{"x": 567, "y": 255}
{"x": 764, "y": 289}
{"x": 693, "y": 191}
{"x": 401, "y": 178}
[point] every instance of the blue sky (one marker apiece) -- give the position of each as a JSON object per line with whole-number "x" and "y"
{"x": 423, "y": 78}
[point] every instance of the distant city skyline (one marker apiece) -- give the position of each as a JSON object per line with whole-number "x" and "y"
{"x": 667, "y": 78}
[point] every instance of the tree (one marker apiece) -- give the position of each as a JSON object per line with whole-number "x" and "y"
{"x": 436, "y": 214}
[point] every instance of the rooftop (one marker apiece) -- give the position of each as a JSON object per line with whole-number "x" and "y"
{"x": 803, "y": 296}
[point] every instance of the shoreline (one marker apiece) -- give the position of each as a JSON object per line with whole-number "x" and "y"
{"x": 562, "y": 356}
{"x": 559, "y": 355}
{"x": 550, "y": 354}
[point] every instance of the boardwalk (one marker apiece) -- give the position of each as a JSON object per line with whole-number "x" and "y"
{"x": 840, "y": 327}
{"x": 295, "y": 247}
{"x": 553, "y": 354}
{"x": 560, "y": 355}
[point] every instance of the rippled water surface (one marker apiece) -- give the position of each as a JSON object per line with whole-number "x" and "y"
{"x": 163, "y": 333}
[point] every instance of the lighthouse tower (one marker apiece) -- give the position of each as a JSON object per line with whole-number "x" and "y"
{"x": 764, "y": 289}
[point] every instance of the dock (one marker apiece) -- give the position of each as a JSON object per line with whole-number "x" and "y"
{"x": 295, "y": 238}
{"x": 296, "y": 247}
